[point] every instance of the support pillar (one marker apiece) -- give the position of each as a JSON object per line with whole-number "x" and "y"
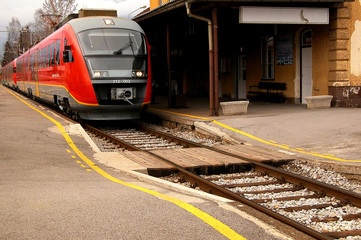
{"x": 168, "y": 69}
{"x": 215, "y": 61}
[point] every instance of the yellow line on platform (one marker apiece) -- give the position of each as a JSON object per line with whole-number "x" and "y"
{"x": 211, "y": 221}
{"x": 272, "y": 143}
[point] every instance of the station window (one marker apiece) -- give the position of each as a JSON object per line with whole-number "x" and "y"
{"x": 267, "y": 57}
{"x": 307, "y": 38}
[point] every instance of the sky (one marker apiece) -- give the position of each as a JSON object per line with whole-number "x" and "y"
{"x": 24, "y": 11}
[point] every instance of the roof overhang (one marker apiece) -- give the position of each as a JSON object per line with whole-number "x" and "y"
{"x": 175, "y": 4}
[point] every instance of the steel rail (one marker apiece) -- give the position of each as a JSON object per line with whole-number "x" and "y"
{"x": 184, "y": 142}
{"x": 111, "y": 138}
{"x": 220, "y": 191}
{"x": 322, "y": 188}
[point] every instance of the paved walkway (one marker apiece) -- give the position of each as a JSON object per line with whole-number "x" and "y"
{"x": 332, "y": 135}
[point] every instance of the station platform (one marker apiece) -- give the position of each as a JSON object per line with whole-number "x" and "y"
{"x": 327, "y": 137}
{"x": 53, "y": 187}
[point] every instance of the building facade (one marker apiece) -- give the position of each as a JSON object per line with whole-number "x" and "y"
{"x": 221, "y": 49}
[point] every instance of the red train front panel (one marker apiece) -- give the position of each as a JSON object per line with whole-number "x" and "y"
{"x": 115, "y": 53}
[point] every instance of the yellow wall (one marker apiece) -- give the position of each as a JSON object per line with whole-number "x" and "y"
{"x": 286, "y": 74}
{"x": 289, "y": 73}
{"x": 283, "y": 73}
{"x": 320, "y": 66}
{"x": 156, "y": 3}
{"x": 355, "y": 43}
{"x": 254, "y": 70}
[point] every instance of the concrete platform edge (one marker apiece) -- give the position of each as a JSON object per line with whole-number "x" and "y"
{"x": 222, "y": 202}
{"x": 141, "y": 174}
{"x": 199, "y": 125}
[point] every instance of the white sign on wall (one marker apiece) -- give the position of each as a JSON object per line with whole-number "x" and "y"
{"x": 283, "y": 15}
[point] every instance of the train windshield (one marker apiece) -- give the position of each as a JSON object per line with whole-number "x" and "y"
{"x": 114, "y": 53}
{"x": 112, "y": 42}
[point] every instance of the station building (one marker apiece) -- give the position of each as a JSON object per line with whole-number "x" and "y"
{"x": 221, "y": 48}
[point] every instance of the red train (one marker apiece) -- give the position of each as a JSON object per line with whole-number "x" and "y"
{"x": 97, "y": 68}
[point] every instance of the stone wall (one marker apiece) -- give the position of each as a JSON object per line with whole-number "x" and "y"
{"x": 345, "y": 91}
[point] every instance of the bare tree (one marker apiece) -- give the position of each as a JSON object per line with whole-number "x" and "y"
{"x": 9, "y": 54}
{"x": 52, "y": 13}
{"x": 45, "y": 18}
{"x": 12, "y": 46}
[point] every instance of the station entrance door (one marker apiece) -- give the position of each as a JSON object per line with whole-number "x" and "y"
{"x": 241, "y": 83}
{"x": 306, "y": 65}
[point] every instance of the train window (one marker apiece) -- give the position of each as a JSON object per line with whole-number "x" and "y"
{"x": 18, "y": 65}
{"x": 26, "y": 65}
{"x": 48, "y": 56}
{"x": 57, "y": 52}
{"x": 41, "y": 58}
{"x": 38, "y": 60}
{"x": 32, "y": 73}
{"x": 112, "y": 42}
{"x": 44, "y": 58}
{"x": 53, "y": 54}
{"x": 67, "y": 54}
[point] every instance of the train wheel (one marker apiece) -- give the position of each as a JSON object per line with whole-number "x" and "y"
{"x": 30, "y": 94}
{"x": 75, "y": 116}
{"x": 64, "y": 106}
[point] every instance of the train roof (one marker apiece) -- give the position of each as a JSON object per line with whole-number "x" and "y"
{"x": 85, "y": 23}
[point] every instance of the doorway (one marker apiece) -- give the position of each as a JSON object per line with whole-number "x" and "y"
{"x": 306, "y": 64}
{"x": 242, "y": 91}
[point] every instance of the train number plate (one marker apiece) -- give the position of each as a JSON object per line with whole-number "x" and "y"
{"x": 122, "y": 81}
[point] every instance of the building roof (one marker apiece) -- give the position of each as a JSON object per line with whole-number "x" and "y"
{"x": 175, "y": 4}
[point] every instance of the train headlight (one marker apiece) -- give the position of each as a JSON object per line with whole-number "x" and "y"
{"x": 98, "y": 74}
{"x": 138, "y": 74}
{"x": 108, "y": 21}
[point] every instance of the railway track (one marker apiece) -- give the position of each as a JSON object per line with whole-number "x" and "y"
{"x": 141, "y": 138}
{"x": 320, "y": 210}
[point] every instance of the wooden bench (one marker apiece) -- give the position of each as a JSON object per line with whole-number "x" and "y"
{"x": 267, "y": 91}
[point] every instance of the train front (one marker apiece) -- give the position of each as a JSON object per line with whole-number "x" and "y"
{"x": 118, "y": 61}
